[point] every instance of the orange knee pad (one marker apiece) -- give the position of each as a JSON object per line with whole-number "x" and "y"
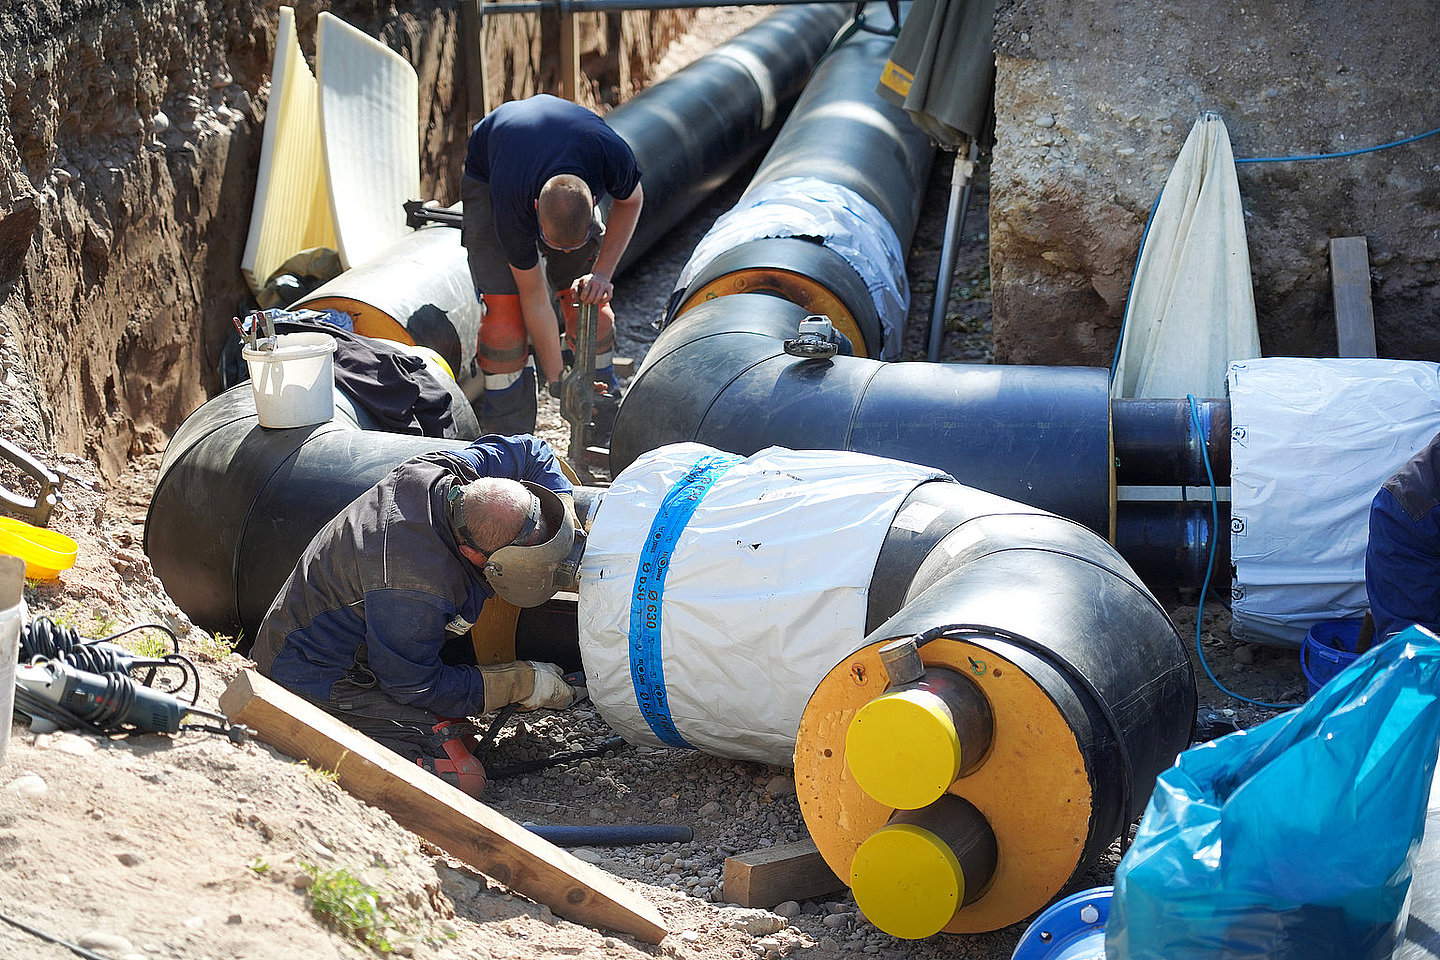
{"x": 502, "y": 345}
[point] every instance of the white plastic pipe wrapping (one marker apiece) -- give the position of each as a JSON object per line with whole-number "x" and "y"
{"x": 717, "y": 591}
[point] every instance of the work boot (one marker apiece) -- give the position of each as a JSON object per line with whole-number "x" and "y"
{"x": 607, "y": 405}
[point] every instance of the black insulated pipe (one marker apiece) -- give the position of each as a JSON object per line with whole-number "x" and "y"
{"x": 696, "y": 129}
{"x": 840, "y": 132}
{"x": 719, "y": 375}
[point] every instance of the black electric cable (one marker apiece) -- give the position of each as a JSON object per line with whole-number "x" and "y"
{"x": 74, "y": 948}
{"x": 46, "y": 639}
{"x": 514, "y": 770}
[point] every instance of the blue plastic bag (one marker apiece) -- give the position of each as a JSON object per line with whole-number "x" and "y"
{"x": 1294, "y": 839}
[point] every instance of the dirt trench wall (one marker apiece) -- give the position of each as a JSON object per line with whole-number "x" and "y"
{"x": 129, "y": 139}
{"x": 1094, "y": 101}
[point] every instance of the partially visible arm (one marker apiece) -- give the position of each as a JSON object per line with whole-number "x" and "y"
{"x": 515, "y": 458}
{"x": 540, "y": 323}
{"x": 404, "y": 631}
{"x": 1402, "y": 567}
{"x": 598, "y": 286}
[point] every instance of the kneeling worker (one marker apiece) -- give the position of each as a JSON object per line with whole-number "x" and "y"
{"x": 359, "y": 627}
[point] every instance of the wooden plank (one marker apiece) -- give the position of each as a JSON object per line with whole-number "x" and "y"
{"x": 464, "y": 827}
{"x": 569, "y": 56}
{"x": 472, "y": 38}
{"x": 1350, "y": 282}
{"x": 772, "y": 875}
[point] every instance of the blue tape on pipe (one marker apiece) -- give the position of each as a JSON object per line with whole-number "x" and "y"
{"x": 647, "y": 673}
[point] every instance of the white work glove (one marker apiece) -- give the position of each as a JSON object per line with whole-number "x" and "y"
{"x": 551, "y": 692}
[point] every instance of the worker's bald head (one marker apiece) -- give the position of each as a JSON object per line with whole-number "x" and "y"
{"x": 495, "y": 511}
{"x": 565, "y": 209}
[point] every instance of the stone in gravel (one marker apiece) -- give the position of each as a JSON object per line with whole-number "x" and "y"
{"x": 789, "y": 910}
{"x": 836, "y": 921}
{"x": 710, "y": 809}
{"x": 28, "y": 785}
{"x": 1244, "y": 654}
{"x": 100, "y": 941}
{"x": 780, "y": 786}
{"x": 757, "y": 923}
{"x": 589, "y": 856}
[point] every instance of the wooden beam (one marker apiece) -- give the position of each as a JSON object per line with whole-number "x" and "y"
{"x": 1350, "y": 282}
{"x": 461, "y": 825}
{"x": 472, "y": 38}
{"x": 771, "y": 875}
{"x": 570, "y": 56}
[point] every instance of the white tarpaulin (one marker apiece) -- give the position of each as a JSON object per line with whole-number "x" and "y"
{"x": 711, "y": 629}
{"x": 1311, "y": 443}
{"x": 1191, "y": 309}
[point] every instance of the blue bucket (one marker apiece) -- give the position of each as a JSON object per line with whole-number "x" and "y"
{"x": 1329, "y": 648}
{"x": 1072, "y": 929}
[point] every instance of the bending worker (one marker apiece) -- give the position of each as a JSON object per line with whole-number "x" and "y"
{"x": 1402, "y": 555}
{"x": 535, "y": 171}
{"x": 371, "y": 625}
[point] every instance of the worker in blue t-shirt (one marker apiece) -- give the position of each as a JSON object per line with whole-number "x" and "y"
{"x": 535, "y": 172}
{"x": 1402, "y": 556}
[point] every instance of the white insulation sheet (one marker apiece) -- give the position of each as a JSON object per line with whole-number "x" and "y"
{"x": 370, "y": 125}
{"x": 1311, "y": 443}
{"x": 726, "y": 634}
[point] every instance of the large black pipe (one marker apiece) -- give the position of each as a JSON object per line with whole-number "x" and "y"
{"x": 690, "y": 133}
{"x": 695, "y": 130}
{"x": 841, "y": 133}
{"x": 236, "y": 503}
{"x": 719, "y": 375}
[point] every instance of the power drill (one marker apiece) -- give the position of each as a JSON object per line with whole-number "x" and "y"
{"x": 105, "y": 701}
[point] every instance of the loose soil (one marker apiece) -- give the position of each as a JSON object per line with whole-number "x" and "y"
{"x": 153, "y": 846}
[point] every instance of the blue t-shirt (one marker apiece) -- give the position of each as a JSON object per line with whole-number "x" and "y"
{"x": 523, "y": 143}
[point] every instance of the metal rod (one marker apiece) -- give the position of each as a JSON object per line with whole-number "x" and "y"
{"x": 961, "y": 182}
{"x": 563, "y": 7}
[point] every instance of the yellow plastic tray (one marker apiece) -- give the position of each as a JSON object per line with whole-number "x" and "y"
{"x": 45, "y": 552}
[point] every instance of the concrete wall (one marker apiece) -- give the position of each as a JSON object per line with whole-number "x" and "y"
{"x": 1094, "y": 101}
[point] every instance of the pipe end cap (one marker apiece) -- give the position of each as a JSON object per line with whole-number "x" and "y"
{"x": 903, "y": 749}
{"x": 907, "y": 881}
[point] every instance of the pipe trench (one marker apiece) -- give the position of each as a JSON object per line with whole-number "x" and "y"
{"x": 690, "y": 133}
{"x": 1046, "y": 687}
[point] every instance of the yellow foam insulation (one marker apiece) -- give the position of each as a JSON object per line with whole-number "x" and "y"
{"x": 292, "y": 205}
{"x": 370, "y": 127}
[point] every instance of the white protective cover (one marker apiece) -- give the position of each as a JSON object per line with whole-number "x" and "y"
{"x": 292, "y": 204}
{"x": 845, "y": 221}
{"x": 766, "y": 590}
{"x": 1192, "y": 308}
{"x": 1312, "y": 441}
{"x": 370, "y": 126}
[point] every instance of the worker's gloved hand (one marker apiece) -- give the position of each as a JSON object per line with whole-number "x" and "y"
{"x": 550, "y": 691}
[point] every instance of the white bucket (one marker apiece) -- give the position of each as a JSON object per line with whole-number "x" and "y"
{"x": 294, "y": 383}
{"x": 12, "y": 620}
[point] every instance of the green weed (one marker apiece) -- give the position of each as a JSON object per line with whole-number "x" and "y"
{"x": 349, "y": 905}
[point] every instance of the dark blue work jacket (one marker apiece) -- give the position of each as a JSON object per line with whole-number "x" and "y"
{"x": 1402, "y": 556}
{"x": 384, "y": 584}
